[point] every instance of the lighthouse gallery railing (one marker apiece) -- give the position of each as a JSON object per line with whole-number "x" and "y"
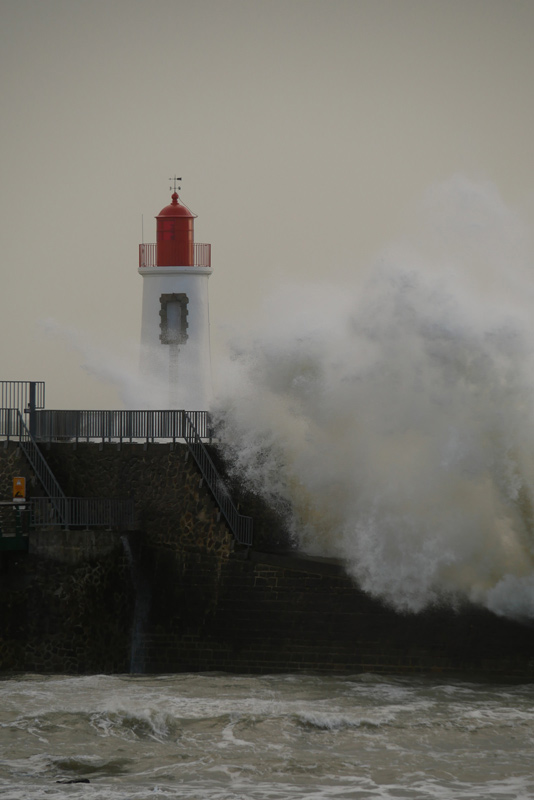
{"x": 148, "y": 255}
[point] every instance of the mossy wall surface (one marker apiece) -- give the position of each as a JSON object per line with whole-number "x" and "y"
{"x": 65, "y": 616}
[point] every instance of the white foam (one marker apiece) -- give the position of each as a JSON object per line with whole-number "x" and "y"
{"x": 396, "y": 416}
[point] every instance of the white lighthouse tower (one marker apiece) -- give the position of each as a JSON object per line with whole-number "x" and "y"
{"x": 175, "y": 334}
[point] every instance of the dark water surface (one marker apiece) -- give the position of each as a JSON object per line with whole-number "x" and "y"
{"x": 291, "y": 736}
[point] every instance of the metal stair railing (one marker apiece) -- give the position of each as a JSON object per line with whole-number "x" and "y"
{"x": 56, "y": 508}
{"x": 240, "y": 525}
{"x": 55, "y": 494}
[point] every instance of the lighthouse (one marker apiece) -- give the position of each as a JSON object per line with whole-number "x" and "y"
{"x": 175, "y": 333}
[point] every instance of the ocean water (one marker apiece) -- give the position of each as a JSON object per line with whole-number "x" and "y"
{"x": 221, "y": 736}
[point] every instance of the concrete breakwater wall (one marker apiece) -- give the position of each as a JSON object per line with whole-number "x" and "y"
{"x": 70, "y": 603}
{"x": 178, "y": 595}
{"x": 67, "y": 608}
{"x": 279, "y": 613}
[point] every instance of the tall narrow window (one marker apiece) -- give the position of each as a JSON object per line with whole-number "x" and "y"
{"x": 173, "y": 315}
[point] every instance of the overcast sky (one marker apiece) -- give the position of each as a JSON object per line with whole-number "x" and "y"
{"x": 306, "y": 132}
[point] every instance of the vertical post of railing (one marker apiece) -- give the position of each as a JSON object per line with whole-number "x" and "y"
{"x": 31, "y": 408}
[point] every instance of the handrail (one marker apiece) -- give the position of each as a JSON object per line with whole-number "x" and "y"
{"x": 22, "y": 394}
{"x": 191, "y": 426}
{"x": 148, "y": 255}
{"x": 240, "y": 525}
{"x": 43, "y": 472}
{"x": 26, "y": 396}
{"x": 87, "y": 512}
{"x": 56, "y": 508}
{"x": 148, "y": 425}
{"x": 9, "y": 419}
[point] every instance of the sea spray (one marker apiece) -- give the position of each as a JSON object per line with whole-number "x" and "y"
{"x": 116, "y": 367}
{"x": 396, "y": 416}
{"x": 119, "y": 368}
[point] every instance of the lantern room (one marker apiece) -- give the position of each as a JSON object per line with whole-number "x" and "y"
{"x": 175, "y": 235}
{"x": 175, "y": 242}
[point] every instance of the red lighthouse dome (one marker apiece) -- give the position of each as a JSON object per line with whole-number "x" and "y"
{"x": 175, "y": 235}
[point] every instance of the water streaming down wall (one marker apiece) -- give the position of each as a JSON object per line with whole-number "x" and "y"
{"x": 396, "y": 416}
{"x": 141, "y": 609}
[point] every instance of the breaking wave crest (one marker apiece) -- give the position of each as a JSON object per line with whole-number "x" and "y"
{"x": 395, "y": 415}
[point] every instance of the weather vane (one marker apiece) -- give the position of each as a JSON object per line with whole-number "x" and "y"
{"x": 175, "y": 179}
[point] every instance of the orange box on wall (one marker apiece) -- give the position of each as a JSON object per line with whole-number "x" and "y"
{"x": 19, "y": 489}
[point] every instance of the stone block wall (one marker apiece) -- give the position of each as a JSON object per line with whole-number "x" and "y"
{"x": 278, "y": 613}
{"x": 66, "y": 608}
{"x": 13, "y": 464}
{"x": 175, "y": 509}
{"x": 178, "y": 595}
{"x": 71, "y": 604}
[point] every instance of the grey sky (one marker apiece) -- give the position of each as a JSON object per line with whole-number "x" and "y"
{"x": 306, "y": 131}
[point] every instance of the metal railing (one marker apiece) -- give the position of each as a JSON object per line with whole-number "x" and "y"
{"x": 118, "y": 426}
{"x": 56, "y": 508}
{"x": 86, "y": 512}
{"x": 21, "y": 394}
{"x": 26, "y": 396}
{"x": 9, "y": 423}
{"x": 59, "y": 426}
{"x": 148, "y": 255}
{"x": 58, "y": 501}
{"x": 240, "y": 525}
